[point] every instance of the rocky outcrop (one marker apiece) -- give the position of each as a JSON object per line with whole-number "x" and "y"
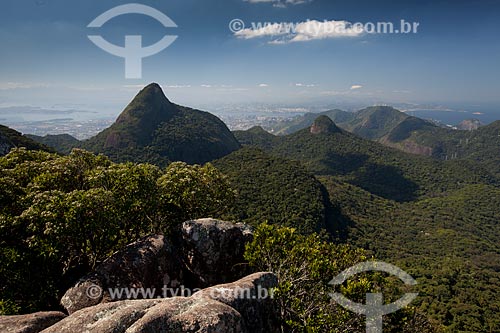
{"x": 31, "y": 323}
{"x": 212, "y": 251}
{"x": 207, "y": 252}
{"x": 324, "y": 125}
{"x": 140, "y": 316}
{"x": 150, "y": 263}
{"x": 251, "y": 297}
{"x": 5, "y": 146}
{"x": 238, "y": 307}
{"x": 409, "y": 146}
{"x": 470, "y": 125}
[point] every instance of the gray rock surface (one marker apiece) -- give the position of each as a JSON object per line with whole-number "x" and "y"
{"x": 148, "y": 263}
{"x": 213, "y": 250}
{"x": 30, "y": 323}
{"x": 251, "y": 297}
{"x": 230, "y": 308}
{"x": 5, "y": 146}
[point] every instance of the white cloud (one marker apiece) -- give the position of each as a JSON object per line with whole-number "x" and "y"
{"x": 263, "y": 85}
{"x": 206, "y": 86}
{"x": 280, "y": 3}
{"x": 311, "y": 30}
{"x": 305, "y": 85}
{"x": 275, "y": 29}
{"x": 356, "y": 86}
{"x": 22, "y": 85}
{"x": 176, "y": 86}
{"x": 229, "y": 89}
{"x": 282, "y": 33}
{"x": 334, "y": 93}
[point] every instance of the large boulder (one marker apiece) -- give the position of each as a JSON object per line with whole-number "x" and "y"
{"x": 206, "y": 252}
{"x": 176, "y": 315}
{"x": 30, "y": 323}
{"x": 213, "y": 251}
{"x": 150, "y": 263}
{"x": 252, "y": 297}
{"x": 238, "y": 307}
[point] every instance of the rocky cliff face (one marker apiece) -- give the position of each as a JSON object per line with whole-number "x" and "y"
{"x": 5, "y": 147}
{"x": 169, "y": 278}
{"x": 324, "y": 125}
{"x": 469, "y": 125}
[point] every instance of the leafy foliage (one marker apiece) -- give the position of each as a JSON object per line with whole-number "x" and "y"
{"x": 62, "y": 143}
{"x": 449, "y": 243}
{"x": 380, "y": 170}
{"x": 273, "y": 189}
{"x": 60, "y": 216}
{"x": 304, "y": 266}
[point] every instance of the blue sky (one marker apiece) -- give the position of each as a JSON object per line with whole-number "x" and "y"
{"x": 46, "y": 58}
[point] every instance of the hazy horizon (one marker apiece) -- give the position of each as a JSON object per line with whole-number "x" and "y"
{"x": 49, "y": 66}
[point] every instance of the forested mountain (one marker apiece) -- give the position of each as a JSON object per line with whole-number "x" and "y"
{"x": 413, "y": 135}
{"x": 153, "y": 129}
{"x": 481, "y": 146}
{"x": 10, "y": 138}
{"x": 381, "y": 170}
{"x": 435, "y": 216}
{"x": 450, "y": 244}
{"x": 255, "y": 136}
{"x": 291, "y": 126}
{"x": 436, "y": 219}
{"x": 371, "y": 123}
{"x": 470, "y": 124}
{"x": 62, "y": 143}
{"x": 275, "y": 190}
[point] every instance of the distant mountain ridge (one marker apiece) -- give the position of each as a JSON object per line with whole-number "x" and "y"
{"x": 370, "y": 165}
{"x": 62, "y": 143}
{"x": 10, "y": 138}
{"x": 413, "y": 135}
{"x": 374, "y": 122}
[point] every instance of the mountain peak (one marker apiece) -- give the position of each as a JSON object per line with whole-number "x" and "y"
{"x": 323, "y": 124}
{"x": 149, "y": 108}
{"x": 153, "y": 129}
{"x": 152, "y": 90}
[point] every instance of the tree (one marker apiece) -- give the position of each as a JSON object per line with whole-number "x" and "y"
{"x": 304, "y": 266}
{"x": 62, "y": 215}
